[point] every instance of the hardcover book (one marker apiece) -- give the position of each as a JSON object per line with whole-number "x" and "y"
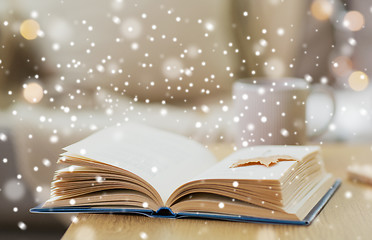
{"x": 138, "y": 169}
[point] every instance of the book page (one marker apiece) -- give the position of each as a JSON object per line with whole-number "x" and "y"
{"x": 163, "y": 159}
{"x": 222, "y": 170}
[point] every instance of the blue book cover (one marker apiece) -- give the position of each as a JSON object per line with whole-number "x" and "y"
{"x": 167, "y": 212}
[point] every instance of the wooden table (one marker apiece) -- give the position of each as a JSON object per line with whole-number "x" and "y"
{"x": 348, "y": 215}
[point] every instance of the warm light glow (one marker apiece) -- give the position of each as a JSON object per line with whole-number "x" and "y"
{"x": 209, "y": 26}
{"x": 172, "y": 68}
{"x": 29, "y": 29}
{"x": 342, "y": 66}
{"x": 321, "y": 9}
{"x": 33, "y": 92}
{"x": 275, "y": 67}
{"x": 353, "y": 20}
{"x": 358, "y": 81}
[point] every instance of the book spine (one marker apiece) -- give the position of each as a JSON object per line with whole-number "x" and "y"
{"x": 164, "y": 212}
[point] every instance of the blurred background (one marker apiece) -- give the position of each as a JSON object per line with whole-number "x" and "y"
{"x": 69, "y": 68}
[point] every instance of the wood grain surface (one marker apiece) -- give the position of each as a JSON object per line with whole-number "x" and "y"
{"x": 348, "y": 215}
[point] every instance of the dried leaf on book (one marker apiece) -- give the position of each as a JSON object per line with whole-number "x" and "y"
{"x": 267, "y": 161}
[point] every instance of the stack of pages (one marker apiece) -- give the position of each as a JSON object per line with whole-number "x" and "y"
{"x": 138, "y": 169}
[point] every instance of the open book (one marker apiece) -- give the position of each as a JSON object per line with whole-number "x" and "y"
{"x": 139, "y": 169}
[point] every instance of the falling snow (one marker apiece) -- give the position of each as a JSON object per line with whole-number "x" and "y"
{"x": 172, "y": 68}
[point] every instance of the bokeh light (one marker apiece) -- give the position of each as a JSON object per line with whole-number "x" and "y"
{"x": 321, "y": 9}
{"x": 210, "y": 26}
{"x": 342, "y": 66}
{"x": 14, "y": 190}
{"x": 172, "y": 68}
{"x": 131, "y": 28}
{"x": 353, "y": 20}
{"x": 192, "y": 51}
{"x": 60, "y": 31}
{"x": 22, "y": 226}
{"x": 33, "y": 92}
{"x": 275, "y": 67}
{"x": 29, "y": 29}
{"x": 358, "y": 81}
